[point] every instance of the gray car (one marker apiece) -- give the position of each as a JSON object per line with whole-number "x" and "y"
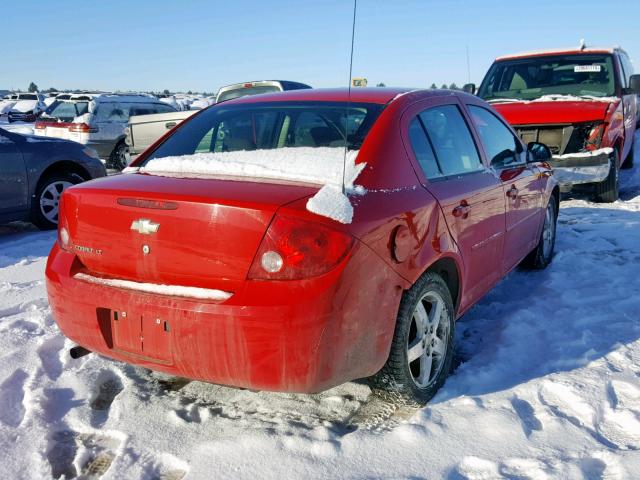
{"x": 35, "y": 170}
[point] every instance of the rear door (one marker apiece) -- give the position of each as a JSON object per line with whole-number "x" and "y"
{"x": 14, "y": 187}
{"x": 522, "y": 183}
{"x": 469, "y": 193}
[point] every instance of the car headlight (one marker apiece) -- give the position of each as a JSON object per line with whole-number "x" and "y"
{"x": 90, "y": 152}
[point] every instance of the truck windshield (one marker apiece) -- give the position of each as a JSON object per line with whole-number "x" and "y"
{"x": 530, "y": 78}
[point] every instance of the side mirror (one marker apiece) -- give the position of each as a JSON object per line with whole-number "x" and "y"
{"x": 634, "y": 84}
{"x": 471, "y": 88}
{"x": 538, "y": 152}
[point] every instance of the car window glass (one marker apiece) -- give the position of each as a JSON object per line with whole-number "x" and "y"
{"x": 163, "y": 108}
{"x": 312, "y": 130}
{"x": 422, "y": 150}
{"x": 499, "y": 143}
{"x": 112, "y": 112}
{"x": 451, "y": 140}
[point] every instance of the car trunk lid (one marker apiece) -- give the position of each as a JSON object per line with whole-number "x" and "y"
{"x": 196, "y": 232}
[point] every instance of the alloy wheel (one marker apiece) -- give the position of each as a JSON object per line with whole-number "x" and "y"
{"x": 428, "y": 338}
{"x": 50, "y": 199}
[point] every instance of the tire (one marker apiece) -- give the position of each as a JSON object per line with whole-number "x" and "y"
{"x": 405, "y": 379}
{"x": 628, "y": 163}
{"x": 117, "y": 159}
{"x": 541, "y": 256}
{"x": 607, "y": 190}
{"x": 44, "y": 206}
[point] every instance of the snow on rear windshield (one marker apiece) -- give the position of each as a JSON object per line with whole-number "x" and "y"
{"x": 302, "y": 142}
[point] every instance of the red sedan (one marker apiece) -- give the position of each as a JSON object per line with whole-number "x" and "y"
{"x": 249, "y": 247}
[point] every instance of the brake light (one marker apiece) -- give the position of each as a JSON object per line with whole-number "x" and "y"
{"x": 40, "y": 126}
{"x": 64, "y": 238}
{"x": 82, "y": 128}
{"x": 294, "y": 248}
{"x": 594, "y": 137}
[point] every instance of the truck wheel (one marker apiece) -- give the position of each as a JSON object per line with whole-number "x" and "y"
{"x": 118, "y": 158}
{"x": 422, "y": 347}
{"x": 541, "y": 256}
{"x": 44, "y": 205}
{"x": 628, "y": 163}
{"x": 607, "y": 191}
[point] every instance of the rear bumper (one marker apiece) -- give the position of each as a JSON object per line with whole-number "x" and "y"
{"x": 281, "y": 336}
{"x": 574, "y": 169}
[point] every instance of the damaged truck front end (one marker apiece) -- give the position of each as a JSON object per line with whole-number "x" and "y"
{"x": 578, "y": 154}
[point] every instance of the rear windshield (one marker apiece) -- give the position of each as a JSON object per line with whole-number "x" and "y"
{"x": 245, "y": 91}
{"x": 27, "y": 96}
{"x": 66, "y": 111}
{"x": 531, "y": 78}
{"x": 269, "y": 126}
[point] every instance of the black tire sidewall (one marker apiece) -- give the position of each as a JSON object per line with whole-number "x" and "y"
{"x": 395, "y": 377}
{"x": 607, "y": 190}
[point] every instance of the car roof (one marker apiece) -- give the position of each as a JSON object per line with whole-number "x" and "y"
{"x": 378, "y": 95}
{"x": 560, "y": 51}
{"x": 126, "y": 98}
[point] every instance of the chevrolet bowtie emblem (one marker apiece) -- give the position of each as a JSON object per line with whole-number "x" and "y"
{"x": 144, "y": 226}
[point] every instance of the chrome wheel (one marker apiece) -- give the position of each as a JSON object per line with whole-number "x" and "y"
{"x": 428, "y": 338}
{"x": 549, "y": 231}
{"x": 50, "y": 199}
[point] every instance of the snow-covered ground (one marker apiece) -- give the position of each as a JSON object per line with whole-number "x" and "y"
{"x": 547, "y": 386}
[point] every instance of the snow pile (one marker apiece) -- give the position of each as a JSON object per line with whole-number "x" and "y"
{"x": 321, "y": 166}
{"x": 172, "y": 290}
{"x": 592, "y": 153}
{"x": 556, "y": 97}
{"x": 546, "y": 385}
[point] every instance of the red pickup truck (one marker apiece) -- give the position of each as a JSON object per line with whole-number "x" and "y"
{"x": 581, "y": 103}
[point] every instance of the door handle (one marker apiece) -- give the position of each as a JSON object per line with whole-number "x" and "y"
{"x": 462, "y": 210}
{"x": 512, "y": 192}
{"x": 169, "y": 125}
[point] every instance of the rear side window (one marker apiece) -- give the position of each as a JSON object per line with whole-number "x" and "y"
{"x": 163, "y": 108}
{"x": 112, "y": 112}
{"x": 454, "y": 148}
{"x": 422, "y": 150}
{"x": 501, "y": 145}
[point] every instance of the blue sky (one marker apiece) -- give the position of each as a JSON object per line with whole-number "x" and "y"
{"x": 201, "y": 45}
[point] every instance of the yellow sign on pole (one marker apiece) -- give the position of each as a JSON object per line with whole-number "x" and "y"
{"x": 359, "y": 82}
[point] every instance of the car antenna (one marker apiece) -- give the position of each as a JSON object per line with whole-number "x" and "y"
{"x": 346, "y": 118}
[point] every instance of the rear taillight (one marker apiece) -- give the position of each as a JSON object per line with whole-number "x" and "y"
{"x": 594, "y": 137}
{"x": 40, "y": 126}
{"x": 82, "y": 128}
{"x": 64, "y": 238}
{"x": 294, "y": 248}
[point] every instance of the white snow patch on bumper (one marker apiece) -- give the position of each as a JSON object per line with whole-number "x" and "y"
{"x": 172, "y": 290}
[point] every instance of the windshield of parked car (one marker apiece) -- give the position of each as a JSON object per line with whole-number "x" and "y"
{"x": 270, "y": 126}
{"x": 27, "y": 96}
{"x": 66, "y": 111}
{"x": 582, "y": 75}
{"x": 244, "y": 91}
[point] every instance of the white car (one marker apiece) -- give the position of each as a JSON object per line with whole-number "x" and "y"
{"x": 99, "y": 122}
{"x": 7, "y": 103}
{"x": 28, "y": 107}
{"x": 202, "y": 103}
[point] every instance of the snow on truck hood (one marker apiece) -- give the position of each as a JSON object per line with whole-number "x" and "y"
{"x": 325, "y": 166}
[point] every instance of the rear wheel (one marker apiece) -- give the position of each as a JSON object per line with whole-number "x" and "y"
{"x": 542, "y": 255}
{"x": 118, "y": 158}
{"x": 422, "y": 348}
{"x": 607, "y": 191}
{"x": 44, "y": 207}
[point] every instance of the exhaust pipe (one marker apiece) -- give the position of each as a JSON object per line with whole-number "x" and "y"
{"x": 78, "y": 351}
